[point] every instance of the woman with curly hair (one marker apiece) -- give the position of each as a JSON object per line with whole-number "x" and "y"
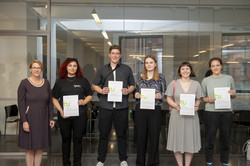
{"x": 72, "y": 82}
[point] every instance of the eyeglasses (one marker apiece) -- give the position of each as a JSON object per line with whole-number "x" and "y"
{"x": 36, "y": 68}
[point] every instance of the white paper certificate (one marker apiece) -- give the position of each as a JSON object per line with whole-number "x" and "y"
{"x": 187, "y": 102}
{"x": 70, "y": 105}
{"x": 147, "y": 99}
{"x": 115, "y": 91}
{"x": 223, "y": 99}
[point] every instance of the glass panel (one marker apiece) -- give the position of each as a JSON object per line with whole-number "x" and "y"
{"x": 23, "y": 15}
{"x": 16, "y": 53}
{"x": 235, "y": 55}
{"x": 173, "y": 33}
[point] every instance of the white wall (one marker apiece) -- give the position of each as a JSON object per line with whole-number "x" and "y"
{"x": 13, "y": 52}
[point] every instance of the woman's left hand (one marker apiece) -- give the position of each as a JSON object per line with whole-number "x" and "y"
{"x": 81, "y": 102}
{"x": 158, "y": 96}
{"x": 196, "y": 107}
{"x": 51, "y": 123}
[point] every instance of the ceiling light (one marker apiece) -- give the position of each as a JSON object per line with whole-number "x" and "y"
{"x": 167, "y": 56}
{"x": 105, "y": 34}
{"x": 228, "y": 45}
{"x": 203, "y": 51}
{"x": 96, "y": 17}
{"x": 137, "y": 55}
{"x": 196, "y": 55}
{"x": 233, "y": 62}
{"x": 109, "y": 43}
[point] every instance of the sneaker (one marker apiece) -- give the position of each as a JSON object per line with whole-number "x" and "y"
{"x": 225, "y": 164}
{"x": 124, "y": 163}
{"x": 209, "y": 164}
{"x": 100, "y": 164}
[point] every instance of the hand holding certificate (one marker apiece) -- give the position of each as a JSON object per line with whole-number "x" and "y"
{"x": 187, "y": 102}
{"x": 70, "y": 105}
{"x": 115, "y": 91}
{"x": 223, "y": 100}
{"x": 147, "y": 99}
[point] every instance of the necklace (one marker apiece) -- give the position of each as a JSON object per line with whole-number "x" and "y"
{"x": 39, "y": 84}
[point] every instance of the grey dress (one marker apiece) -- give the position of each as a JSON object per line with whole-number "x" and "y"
{"x": 35, "y": 107}
{"x": 184, "y": 131}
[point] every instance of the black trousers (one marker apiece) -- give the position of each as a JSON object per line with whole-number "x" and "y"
{"x": 148, "y": 126}
{"x": 77, "y": 126}
{"x": 222, "y": 121}
{"x": 120, "y": 119}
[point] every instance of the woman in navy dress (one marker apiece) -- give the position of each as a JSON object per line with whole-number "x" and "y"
{"x": 36, "y": 114}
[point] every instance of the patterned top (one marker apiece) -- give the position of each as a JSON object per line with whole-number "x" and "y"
{"x": 158, "y": 85}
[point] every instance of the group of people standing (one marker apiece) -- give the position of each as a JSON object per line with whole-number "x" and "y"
{"x": 35, "y": 101}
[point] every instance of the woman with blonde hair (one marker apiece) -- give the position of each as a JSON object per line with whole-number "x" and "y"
{"x": 148, "y": 121}
{"x": 36, "y": 114}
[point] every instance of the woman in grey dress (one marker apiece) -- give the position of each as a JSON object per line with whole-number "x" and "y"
{"x": 36, "y": 114}
{"x": 184, "y": 130}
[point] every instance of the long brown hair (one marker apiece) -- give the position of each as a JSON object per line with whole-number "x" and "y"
{"x": 156, "y": 70}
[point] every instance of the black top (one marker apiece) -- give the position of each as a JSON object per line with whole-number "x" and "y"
{"x": 72, "y": 86}
{"x": 158, "y": 85}
{"x": 124, "y": 74}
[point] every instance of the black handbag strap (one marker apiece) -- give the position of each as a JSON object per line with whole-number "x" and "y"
{"x": 105, "y": 78}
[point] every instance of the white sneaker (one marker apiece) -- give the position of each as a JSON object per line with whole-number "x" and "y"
{"x": 100, "y": 164}
{"x": 124, "y": 163}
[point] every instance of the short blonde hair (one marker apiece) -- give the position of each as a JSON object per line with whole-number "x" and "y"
{"x": 38, "y": 62}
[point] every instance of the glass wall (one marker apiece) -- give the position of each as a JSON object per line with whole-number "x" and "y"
{"x": 23, "y": 37}
{"x": 23, "y": 15}
{"x": 173, "y": 31}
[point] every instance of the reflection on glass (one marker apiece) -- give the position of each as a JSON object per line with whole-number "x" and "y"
{"x": 236, "y": 56}
{"x": 23, "y": 15}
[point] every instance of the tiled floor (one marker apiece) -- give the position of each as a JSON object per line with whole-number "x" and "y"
{"x": 11, "y": 155}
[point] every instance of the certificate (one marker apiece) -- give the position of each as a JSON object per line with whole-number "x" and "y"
{"x": 115, "y": 91}
{"x": 147, "y": 99}
{"x": 223, "y": 99}
{"x": 70, "y": 105}
{"x": 187, "y": 102}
